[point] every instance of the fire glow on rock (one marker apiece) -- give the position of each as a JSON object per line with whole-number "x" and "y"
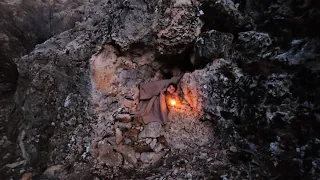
{"x": 173, "y": 102}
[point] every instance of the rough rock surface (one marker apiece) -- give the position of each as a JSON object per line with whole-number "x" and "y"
{"x": 151, "y": 130}
{"x": 302, "y": 51}
{"x": 224, "y": 16}
{"x": 253, "y": 42}
{"x": 170, "y": 26}
{"x": 243, "y": 116}
{"x": 211, "y": 45}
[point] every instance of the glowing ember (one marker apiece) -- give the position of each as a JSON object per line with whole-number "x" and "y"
{"x": 173, "y": 102}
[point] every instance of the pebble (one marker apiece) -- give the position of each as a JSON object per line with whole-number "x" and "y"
{"x": 175, "y": 172}
{"x": 137, "y": 155}
{"x": 153, "y": 143}
{"x": 233, "y": 149}
{"x": 158, "y": 147}
{"x": 119, "y": 136}
{"x": 148, "y": 140}
{"x": 189, "y": 175}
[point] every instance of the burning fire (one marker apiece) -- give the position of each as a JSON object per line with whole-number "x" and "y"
{"x": 173, "y": 102}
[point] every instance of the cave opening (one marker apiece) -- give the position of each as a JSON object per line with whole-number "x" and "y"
{"x": 173, "y": 63}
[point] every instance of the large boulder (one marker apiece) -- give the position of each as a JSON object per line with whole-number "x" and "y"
{"x": 151, "y": 130}
{"x": 224, "y": 16}
{"x": 292, "y": 19}
{"x": 302, "y": 52}
{"x": 170, "y": 26}
{"x": 178, "y": 25}
{"x": 254, "y": 43}
{"x": 211, "y": 45}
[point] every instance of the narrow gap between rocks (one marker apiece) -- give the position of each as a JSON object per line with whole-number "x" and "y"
{"x": 175, "y": 64}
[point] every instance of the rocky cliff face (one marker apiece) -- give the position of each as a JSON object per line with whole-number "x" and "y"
{"x": 248, "y": 104}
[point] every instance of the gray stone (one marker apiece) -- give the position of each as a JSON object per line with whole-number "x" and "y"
{"x": 151, "y": 130}
{"x": 119, "y": 136}
{"x": 224, "y": 16}
{"x": 54, "y": 171}
{"x": 123, "y": 118}
{"x": 148, "y": 140}
{"x": 127, "y": 141}
{"x": 153, "y": 143}
{"x": 124, "y": 125}
{"x": 211, "y": 45}
{"x": 252, "y": 42}
{"x": 15, "y": 164}
{"x": 174, "y": 36}
{"x": 151, "y": 157}
{"x": 105, "y": 154}
{"x": 158, "y": 147}
{"x": 302, "y": 52}
{"x": 128, "y": 153}
{"x": 112, "y": 140}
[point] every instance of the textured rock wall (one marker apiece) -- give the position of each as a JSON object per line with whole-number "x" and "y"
{"x": 249, "y": 109}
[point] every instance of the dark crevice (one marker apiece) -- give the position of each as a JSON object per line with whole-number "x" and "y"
{"x": 8, "y": 76}
{"x": 170, "y": 62}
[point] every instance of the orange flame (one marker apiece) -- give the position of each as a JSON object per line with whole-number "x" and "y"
{"x": 173, "y": 102}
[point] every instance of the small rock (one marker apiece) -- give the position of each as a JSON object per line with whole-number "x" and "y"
{"x": 127, "y": 141}
{"x": 132, "y": 134}
{"x": 6, "y": 156}
{"x": 153, "y": 143}
{"x": 158, "y": 147}
{"x": 54, "y": 171}
{"x": 141, "y": 148}
{"x": 203, "y": 155}
{"x": 137, "y": 121}
{"x": 151, "y": 157}
{"x": 128, "y": 153}
{"x": 112, "y": 140}
{"x": 122, "y": 125}
{"x": 119, "y": 136}
{"x": 148, "y": 140}
{"x": 16, "y": 164}
{"x": 125, "y": 118}
{"x": 233, "y": 149}
{"x": 151, "y": 130}
{"x": 137, "y": 155}
{"x": 146, "y": 157}
{"x": 189, "y": 176}
{"x": 211, "y": 44}
{"x": 254, "y": 42}
{"x": 107, "y": 155}
{"x": 163, "y": 140}
{"x": 175, "y": 172}
{"x": 27, "y": 176}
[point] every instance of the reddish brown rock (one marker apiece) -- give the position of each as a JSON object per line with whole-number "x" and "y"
{"x": 128, "y": 153}
{"x": 104, "y": 153}
{"x": 151, "y": 157}
{"x": 125, "y": 118}
{"x": 132, "y": 134}
{"x": 142, "y": 148}
{"x": 137, "y": 121}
